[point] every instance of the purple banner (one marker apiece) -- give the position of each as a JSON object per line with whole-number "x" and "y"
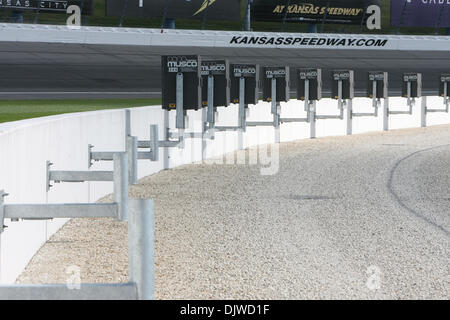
{"x": 420, "y": 13}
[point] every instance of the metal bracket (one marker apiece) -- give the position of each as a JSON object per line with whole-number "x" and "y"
{"x": 446, "y": 102}
{"x": 424, "y": 110}
{"x": 340, "y": 116}
{"x": 109, "y": 156}
{"x": 120, "y": 177}
{"x": 48, "y": 164}
{"x": 308, "y": 106}
{"x": 192, "y": 135}
{"x": 260, "y": 124}
{"x": 342, "y": 104}
{"x": 154, "y": 143}
{"x": 130, "y": 148}
{"x": 242, "y": 117}
{"x": 141, "y": 251}
{"x": 275, "y": 110}
{"x": 293, "y": 120}
{"x": 77, "y": 176}
{"x": 411, "y": 102}
{"x": 3, "y": 194}
{"x": 446, "y": 95}
{"x": 375, "y": 103}
{"x": 211, "y": 112}
{"x": 438, "y": 110}
{"x": 181, "y": 113}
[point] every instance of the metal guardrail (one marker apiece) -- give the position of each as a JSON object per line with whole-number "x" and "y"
{"x": 141, "y": 251}
{"x": 139, "y": 213}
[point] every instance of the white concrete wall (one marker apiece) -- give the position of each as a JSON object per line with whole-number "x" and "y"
{"x": 25, "y": 146}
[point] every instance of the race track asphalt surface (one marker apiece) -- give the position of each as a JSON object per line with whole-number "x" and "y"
{"x": 74, "y": 71}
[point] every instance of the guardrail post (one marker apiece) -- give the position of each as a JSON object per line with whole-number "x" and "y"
{"x": 121, "y": 184}
{"x": 132, "y": 151}
{"x": 242, "y": 114}
{"x": 180, "y": 116}
{"x": 350, "y": 117}
{"x": 211, "y": 110}
{"x": 386, "y": 114}
{"x": 275, "y": 111}
{"x": 141, "y": 239}
{"x": 312, "y": 120}
{"x": 165, "y": 151}
{"x": 3, "y": 194}
{"x": 154, "y": 142}
{"x": 423, "y": 112}
{"x": 127, "y": 124}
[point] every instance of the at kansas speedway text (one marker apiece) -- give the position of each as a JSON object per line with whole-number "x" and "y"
{"x": 291, "y": 41}
{"x": 230, "y": 310}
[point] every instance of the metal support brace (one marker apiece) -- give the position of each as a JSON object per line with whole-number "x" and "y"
{"x": 437, "y": 110}
{"x": 311, "y": 112}
{"x": 119, "y": 176}
{"x": 293, "y": 120}
{"x": 427, "y": 110}
{"x": 141, "y": 239}
{"x": 446, "y": 97}
{"x": 339, "y": 116}
{"x": 350, "y": 114}
{"x": 3, "y": 194}
{"x": 181, "y": 113}
{"x": 211, "y": 113}
{"x": 274, "y": 110}
{"x": 130, "y": 148}
{"x": 181, "y": 117}
{"x": 242, "y": 106}
{"x": 127, "y": 291}
{"x": 341, "y": 106}
{"x": 340, "y": 101}
{"x": 386, "y": 114}
{"x": 410, "y": 102}
{"x": 66, "y": 211}
{"x": 180, "y": 124}
{"x": 242, "y": 116}
{"x": 275, "y": 105}
{"x": 154, "y": 144}
{"x": 307, "y": 108}
{"x": 132, "y": 152}
{"x": 424, "y": 110}
{"x": 127, "y": 124}
{"x": 132, "y": 155}
{"x": 312, "y": 120}
{"x": 366, "y": 114}
{"x": 98, "y": 156}
{"x": 192, "y": 135}
{"x": 307, "y": 102}
{"x": 349, "y": 117}
{"x": 375, "y": 103}
{"x": 121, "y": 184}
{"x": 141, "y": 252}
{"x": 76, "y": 176}
{"x": 260, "y": 124}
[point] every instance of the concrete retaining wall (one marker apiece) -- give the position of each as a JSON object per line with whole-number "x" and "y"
{"x": 25, "y": 146}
